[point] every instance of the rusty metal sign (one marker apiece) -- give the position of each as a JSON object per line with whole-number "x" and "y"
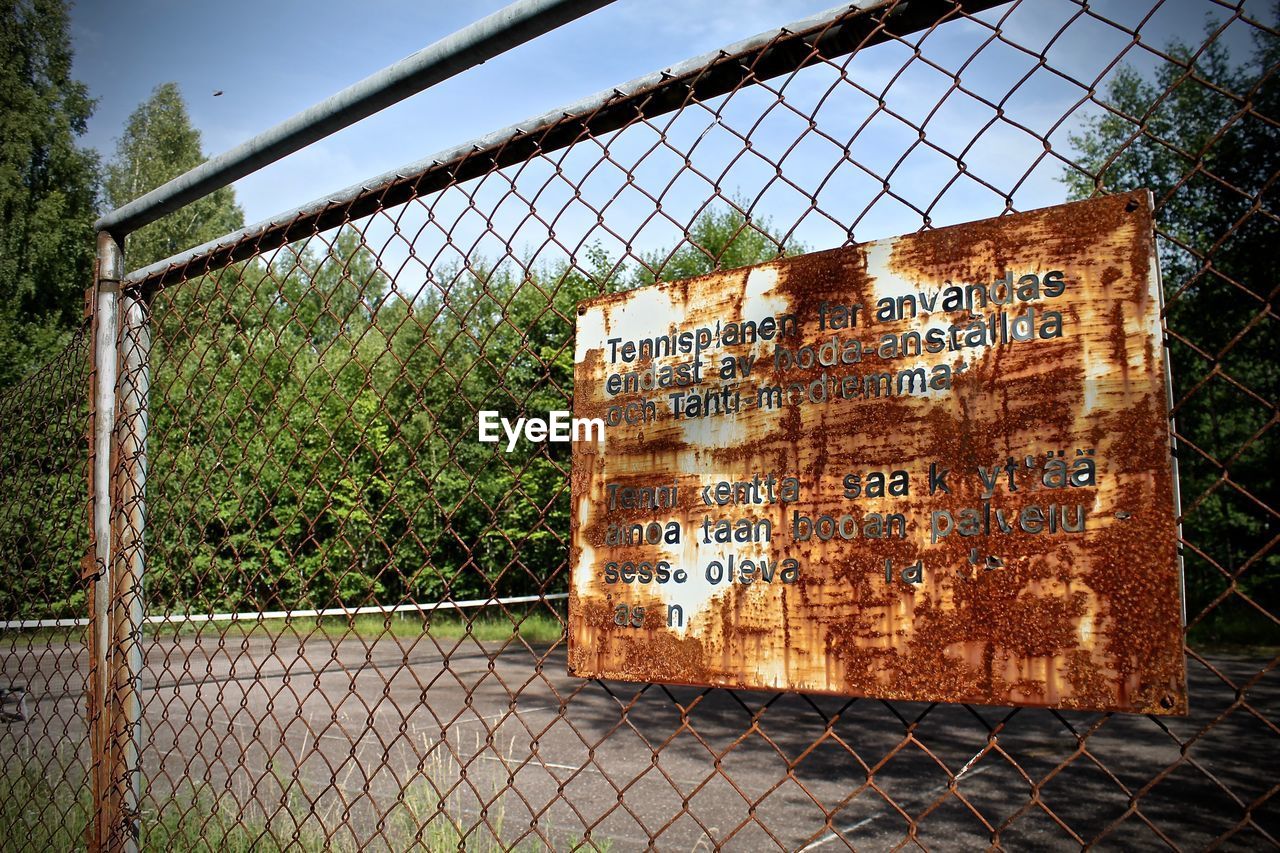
{"x": 935, "y": 467}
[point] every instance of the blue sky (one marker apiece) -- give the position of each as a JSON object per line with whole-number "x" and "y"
{"x": 272, "y": 60}
{"x": 286, "y": 56}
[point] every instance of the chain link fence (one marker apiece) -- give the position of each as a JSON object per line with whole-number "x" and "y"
{"x": 44, "y": 537}
{"x": 310, "y": 444}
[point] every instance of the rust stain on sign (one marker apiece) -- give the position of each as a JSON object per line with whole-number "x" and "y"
{"x": 934, "y": 468}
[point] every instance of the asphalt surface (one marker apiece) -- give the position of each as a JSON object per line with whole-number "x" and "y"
{"x": 366, "y": 741}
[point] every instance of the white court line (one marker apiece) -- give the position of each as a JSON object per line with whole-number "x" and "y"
{"x": 838, "y": 833}
{"x": 263, "y": 615}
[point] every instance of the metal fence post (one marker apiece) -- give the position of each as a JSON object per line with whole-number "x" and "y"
{"x": 129, "y": 505}
{"x": 121, "y": 349}
{"x": 110, "y": 269}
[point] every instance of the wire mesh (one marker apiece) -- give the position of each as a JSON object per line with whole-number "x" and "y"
{"x": 314, "y": 394}
{"x": 44, "y": 747}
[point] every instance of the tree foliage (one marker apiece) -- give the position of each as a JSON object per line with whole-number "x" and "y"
{"x": 48, "y": 186}
{"x": 1202, "y": 135}
{"x": 314, "y": 440}
{"x": 159, "y": 143}
{"x": 721, "y": 238}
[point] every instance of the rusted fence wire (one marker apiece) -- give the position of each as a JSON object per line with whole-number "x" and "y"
{"x": 314, "y": 385}
{"x": 44, "y": 746}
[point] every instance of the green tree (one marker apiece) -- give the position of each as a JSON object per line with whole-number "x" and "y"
{"x": 267, "y": 484}
{"x": 1201, "y": 133}
{"x": 48, "y": 186}
{"x": 314, "y": 429}
{"x": 192, "y": 444}
{"x": 719, "y": 239}
{"x": 158, "y": 144}
{"x": 501, "y": 338}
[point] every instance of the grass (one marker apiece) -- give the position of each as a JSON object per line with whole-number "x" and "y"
{"x": 32, "y": 637}
{"x": 45, "y": 805}
{"x": 39, "y": 811}
{"x": 533, "y": 627}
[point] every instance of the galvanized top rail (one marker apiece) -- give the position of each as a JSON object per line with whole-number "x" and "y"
{"x": 773, "y": 53}
{"x": 513, "y": 25}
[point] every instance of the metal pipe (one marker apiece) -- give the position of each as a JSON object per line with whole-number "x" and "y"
{"x": 508, "y": 27}
{"x": 105, "y": 325}
{"x": 837, "y": 31}
{"x": 133, "y": 395}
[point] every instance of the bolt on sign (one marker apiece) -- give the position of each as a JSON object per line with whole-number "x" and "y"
{"x": 935, "y": 467}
